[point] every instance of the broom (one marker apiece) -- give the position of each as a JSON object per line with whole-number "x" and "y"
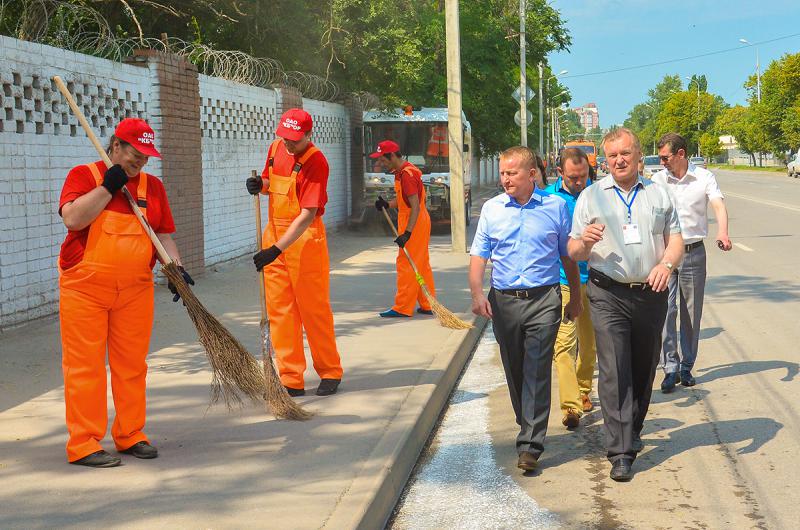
{"x": 446, "y": 317}
{"x": 236, "y": 373}
{"x": 278, "y": 399}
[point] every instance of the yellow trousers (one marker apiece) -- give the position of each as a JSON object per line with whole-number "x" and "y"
{"x": 575, "y": 354}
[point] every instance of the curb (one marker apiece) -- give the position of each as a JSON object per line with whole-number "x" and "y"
{"x": 371, "y": 498}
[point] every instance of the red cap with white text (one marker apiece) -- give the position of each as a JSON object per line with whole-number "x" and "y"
{"x": 136, "y": 132}
{"x": 294, "y": 124}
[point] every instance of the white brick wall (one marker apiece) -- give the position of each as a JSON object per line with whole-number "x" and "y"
{"x": 40, "y": 141}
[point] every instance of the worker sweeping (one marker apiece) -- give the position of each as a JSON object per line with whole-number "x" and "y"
{"x": 415, "y": 232}
{"x": 106, "y": 294}
{"x": 295, "y": 254}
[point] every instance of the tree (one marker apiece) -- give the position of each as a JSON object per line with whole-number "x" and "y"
{"x": 739, "y": 122}
{"x": 776, "y": 116}
{"x": 684, "y": 114}
{"x": 643, "y": 118}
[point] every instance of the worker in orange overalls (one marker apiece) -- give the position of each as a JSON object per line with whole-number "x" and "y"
{"x": 414, "y": 225}
{"x": 106, "y": 294}
{"x": 295, "y": 254}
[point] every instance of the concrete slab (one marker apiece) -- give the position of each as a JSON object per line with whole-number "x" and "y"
{"x": 221, "y": 469}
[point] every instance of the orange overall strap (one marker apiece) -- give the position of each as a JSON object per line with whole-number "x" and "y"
{"x": 303, "y": 159}
{"x": 271, "y": 156}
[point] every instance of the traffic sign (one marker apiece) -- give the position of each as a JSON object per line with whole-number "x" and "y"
{"x": 529, "y": 118}
{"x": 528, "y": 91}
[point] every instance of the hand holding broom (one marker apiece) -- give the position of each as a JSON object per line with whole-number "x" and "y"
{"x": 446, "y": 317}
{"x": 236, "y": 373}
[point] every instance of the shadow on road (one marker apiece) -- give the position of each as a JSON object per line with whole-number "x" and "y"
{"x": 748, "y": 367}
{"x": 740, "y": 288}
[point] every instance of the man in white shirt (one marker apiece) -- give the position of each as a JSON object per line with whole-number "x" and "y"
{"x": 693, "y": 188}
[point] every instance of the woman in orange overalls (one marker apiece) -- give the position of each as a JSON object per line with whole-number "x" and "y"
{"x": 106, "y": 294}
{"x": 414, "y": 225}
{"x": 297, "y": 277}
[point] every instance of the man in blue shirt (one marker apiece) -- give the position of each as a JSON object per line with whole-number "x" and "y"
{"x": 575, "y": 338}
{"x": 524, "y": 232}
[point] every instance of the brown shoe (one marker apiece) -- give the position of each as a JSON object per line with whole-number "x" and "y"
{"x": 527, "y": 462}
{"x": 571, "y": 419}
{"x": 587, "y": 403}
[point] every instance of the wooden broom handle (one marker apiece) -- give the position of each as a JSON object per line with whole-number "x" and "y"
{"x": 257, "y": 204}
{"x": 389, "y": 220}
{"x": 162, "y": 252}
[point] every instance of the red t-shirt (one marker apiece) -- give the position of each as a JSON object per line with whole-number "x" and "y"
{"x": 80, "y": 181}
{"x": 312, "y": 181}
{"x": 410, "y": 180}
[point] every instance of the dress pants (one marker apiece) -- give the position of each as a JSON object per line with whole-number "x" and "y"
{"x": 575, "y": 339}
{"x": 627, "y": 324}
{"x": 526, "y": 330}
{"x": 687, "y": 283}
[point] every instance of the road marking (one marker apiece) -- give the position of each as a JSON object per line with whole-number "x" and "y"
{"x": 743, "y": 247}
{"x": 762, "y": 201}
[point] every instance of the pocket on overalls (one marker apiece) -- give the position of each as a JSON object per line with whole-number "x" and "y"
{"x": 282, "y": 197}
{"x": 126, "y": 242}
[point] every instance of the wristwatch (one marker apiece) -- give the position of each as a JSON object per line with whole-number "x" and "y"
{"x": 667, "y": 264}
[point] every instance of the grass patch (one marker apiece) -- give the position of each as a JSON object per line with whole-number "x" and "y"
{"x": 738, "y": 167}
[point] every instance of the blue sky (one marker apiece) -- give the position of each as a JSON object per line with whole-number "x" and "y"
{"x": 610, "y": 34}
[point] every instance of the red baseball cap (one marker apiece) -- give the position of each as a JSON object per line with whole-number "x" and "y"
{"x": 294, "y": 124}
{"x": 386, "y": 146}
{"x": 136, "y": 132}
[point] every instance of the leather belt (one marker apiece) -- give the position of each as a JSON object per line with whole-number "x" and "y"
{"x": 525, "y": 293}
{"x": 604, "y": 281}
{"x": 692, "y": 246}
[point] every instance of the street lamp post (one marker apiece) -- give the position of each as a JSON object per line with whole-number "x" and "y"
{"x": 549, "y": 98}
{"x": 523, "y": 84}
{"x": 697, "y": 84}
{"x": 758, "y": 69}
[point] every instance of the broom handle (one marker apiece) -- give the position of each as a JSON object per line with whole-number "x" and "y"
{"x": 257, "y": 204}
{"x": 411, "y": 261}
{"x": 162, "y": 252}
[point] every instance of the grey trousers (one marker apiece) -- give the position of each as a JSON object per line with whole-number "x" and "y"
{"x": 627, "y": 326}
{"x": 687, "y": 284}
{"x": 526, "y": 333}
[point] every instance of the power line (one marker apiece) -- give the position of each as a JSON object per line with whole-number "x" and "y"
{"x": 727, "y": 50}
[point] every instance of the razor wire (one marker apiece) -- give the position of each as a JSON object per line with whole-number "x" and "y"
{"x": 82, "y": 29}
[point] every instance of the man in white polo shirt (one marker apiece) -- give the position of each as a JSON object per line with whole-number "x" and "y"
{"x": 693, "y": 188}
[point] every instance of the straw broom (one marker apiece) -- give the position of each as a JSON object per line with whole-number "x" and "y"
{"x": 236, "y": 373}
{"x": 446, "y": 317}
{"x": 278, "y": 400}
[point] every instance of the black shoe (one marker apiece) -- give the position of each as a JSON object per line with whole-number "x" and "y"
{"x": 686, "y": 378}
{"x": 527, "y": 462}
{"x": 669, "y": 382}
{"x": 141, "y": 450}
{"x": 424, "y": 311}
{"x": 621, "y": 470}
{"x": 98, "y": 459}
{"x": 637, "y": 444}
{"x": 295, "y": 392}
{"x": 328, "y": 386}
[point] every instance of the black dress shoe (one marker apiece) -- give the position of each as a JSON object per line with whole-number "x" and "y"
{"x": 141, "y": 450}
{"x": 424, "y": 311}
{"x": 669, "y": 382}
{"x": 328, "y": 387}
{"x": 621, "y": 470}
{"x": 686, "y": 378}
{"x": 637, "y": 444}
{"x": 295, "y": 392}
{"x": 98, "y": 459}
{"x": 527, "y": 462}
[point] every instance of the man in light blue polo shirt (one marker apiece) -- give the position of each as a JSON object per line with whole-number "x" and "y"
{"x": 575, "y": 339}
{"x": 524, "y": 232}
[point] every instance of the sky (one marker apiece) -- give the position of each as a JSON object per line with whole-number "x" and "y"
{"x": 613, "y": 34}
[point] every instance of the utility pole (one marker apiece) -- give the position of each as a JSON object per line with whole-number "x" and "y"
{"x": 541, "y": 111}
{"x": 523, "y": 82}
{"x": 455, "y": 128}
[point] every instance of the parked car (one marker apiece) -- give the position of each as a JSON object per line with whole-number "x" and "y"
{"x": 652, "y": 165}
{"x": 698, "y": 161}
{"x": 793, "y": 167}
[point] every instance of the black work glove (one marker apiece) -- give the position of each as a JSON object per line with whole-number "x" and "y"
{"x": 171, "y": 286}
{"x": 403, "y": 238}
{"x": 265, "y": 257}
{"x": 114, "y": 178}
{"x": 381, "y": 204}
{"x": 254, "y": 185}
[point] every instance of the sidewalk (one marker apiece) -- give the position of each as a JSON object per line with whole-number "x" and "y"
{"x": 220, "y": 469}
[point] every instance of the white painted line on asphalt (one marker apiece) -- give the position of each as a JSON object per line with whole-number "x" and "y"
{"x": 762, "y": 201}
{"x": 743, "y": 247}
{"x": 462, "y": 486}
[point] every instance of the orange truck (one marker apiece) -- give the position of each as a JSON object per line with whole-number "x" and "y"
{"x": 588, "y": 147}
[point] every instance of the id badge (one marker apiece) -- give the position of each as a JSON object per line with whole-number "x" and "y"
{"x": 630, "y": 233}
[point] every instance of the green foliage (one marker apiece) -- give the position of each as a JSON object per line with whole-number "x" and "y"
{"x": 777, "y": 117}
{"x": 643, "y": 118}
{"x": 689, "y": 116}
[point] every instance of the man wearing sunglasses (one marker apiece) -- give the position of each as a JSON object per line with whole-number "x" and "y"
{"x": 694, "y": 188}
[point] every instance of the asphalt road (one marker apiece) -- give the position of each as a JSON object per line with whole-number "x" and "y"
{"x": 718, "y": 455}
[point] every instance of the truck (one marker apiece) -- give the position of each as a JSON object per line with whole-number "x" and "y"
{"x": 588, "y": 147}
{"x": 423, "y": 139}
